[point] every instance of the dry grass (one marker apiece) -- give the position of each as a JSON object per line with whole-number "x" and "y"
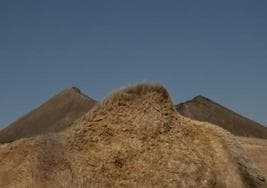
{"x": 256, "y": 149}
{"x": 134, "y": 138}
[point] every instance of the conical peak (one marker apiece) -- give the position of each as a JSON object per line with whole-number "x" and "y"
{"x": 73, "y": 89}
{"x": 201, "y": 98}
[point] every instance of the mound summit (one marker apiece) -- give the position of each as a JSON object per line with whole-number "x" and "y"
{"x": 133, "y": 138}
{"x": 54, "y": 115}
{"x": 203, "y": 109}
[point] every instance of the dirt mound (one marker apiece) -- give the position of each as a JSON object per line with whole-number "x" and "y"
{"x": 204, "y": 109}
{"x": 134, "y": 138}
{"x": 54, "y": 115}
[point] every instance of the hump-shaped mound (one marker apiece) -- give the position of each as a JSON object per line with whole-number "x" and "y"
{"x": 203, "y": 109}
{"x": 134, "y": 138}
{"x": 54, "y": 115}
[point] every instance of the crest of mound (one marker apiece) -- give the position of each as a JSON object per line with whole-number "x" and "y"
{"x": 203, "y": 109}
{"x": 133, "y": 138}
{"x": 131, "y": 105}
{"x": 56, "y": 114}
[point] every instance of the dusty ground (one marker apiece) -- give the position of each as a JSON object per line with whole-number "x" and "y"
{"x": 256, "y": 149}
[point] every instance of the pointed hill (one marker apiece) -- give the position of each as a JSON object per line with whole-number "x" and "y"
{"x": 54, "y": 115}
{"x": 203, "y": 109}
{"x": 133, "y": 138}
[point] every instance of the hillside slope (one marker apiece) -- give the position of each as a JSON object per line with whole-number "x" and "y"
{"x": 204, "y": 109}
{"x": 133, "y": 138}
{"x": 54, "y": 115}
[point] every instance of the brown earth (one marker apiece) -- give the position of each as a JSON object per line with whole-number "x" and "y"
{"x": 133, "y": 138}
{"x": 204, "y": 109}
{"x": 54, "y": 115}
{"x": 256, "y": 149}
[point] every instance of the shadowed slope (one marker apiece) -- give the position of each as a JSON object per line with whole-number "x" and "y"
{"x": 134, "y": 138}
{"x": 203, "y": 109}
{"x": 54, "y": 115}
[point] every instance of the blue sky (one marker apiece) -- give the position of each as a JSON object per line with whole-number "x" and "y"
{"x": 214, "y": 48}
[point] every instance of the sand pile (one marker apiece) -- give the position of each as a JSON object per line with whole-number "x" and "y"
{"x": 133, "y": 138}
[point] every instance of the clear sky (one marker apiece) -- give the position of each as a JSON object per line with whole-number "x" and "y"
{"x": 214, "y": 48}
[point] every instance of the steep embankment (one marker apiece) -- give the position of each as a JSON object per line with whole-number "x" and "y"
{"x": 204, "y": 109}
{"x": 54, "y": 115}
{"x": 134, "y": 138}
